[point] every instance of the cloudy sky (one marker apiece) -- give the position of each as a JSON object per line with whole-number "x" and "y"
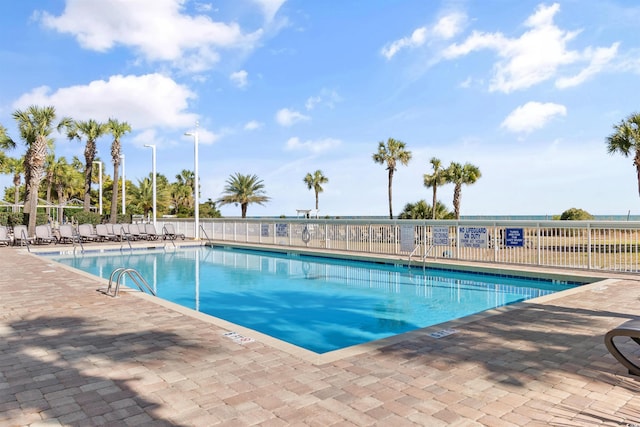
{"x": 527, "y": 91}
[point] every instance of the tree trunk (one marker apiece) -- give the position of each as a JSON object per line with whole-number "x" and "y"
{"x": 433, "y": 206}
{"x": 456, "y": 200}
{"x": 114, "y": 194}
{"x": 390, "y": 193}
{"x": 243, "y": 207}
{"x": 636, "y": 162}
{"x": 316, "y": 202}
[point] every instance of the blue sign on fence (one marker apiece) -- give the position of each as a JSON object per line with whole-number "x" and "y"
{"x": 514, "y": 237}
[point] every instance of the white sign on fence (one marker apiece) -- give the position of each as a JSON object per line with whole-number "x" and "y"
{"x": 407, "y": 238}
{"x": 440, "y": 235}
{"x": 473, "y": 237}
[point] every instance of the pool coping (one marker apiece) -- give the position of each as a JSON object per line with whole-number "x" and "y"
{"x": 597, "y": 282}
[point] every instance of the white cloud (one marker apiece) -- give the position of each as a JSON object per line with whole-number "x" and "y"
{"x": 535, "y": 56}
{"x": 239, "y": 78}
{"x": 270, "y": 7}
{"x": 532, "y": 116}
{"x": 159, "y": 33}
{"x": 599, "y": 59}
{"x": 312, "y": 146}
{"x": 143, "y": 101}
{"x": 446, "y": 27}
{"x": 286, "y": 117}
{"x": 252, "y": 125}
{"x": 327, "y": 97}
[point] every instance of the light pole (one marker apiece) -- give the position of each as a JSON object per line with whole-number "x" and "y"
{"x": 196, "y": 197}
{"x": 100, "y": 184}
{"x": 153, "y": 172}
{"x": 123, "y": 187}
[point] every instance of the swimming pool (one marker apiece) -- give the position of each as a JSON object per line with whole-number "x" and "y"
{"x": 320, "y": 304}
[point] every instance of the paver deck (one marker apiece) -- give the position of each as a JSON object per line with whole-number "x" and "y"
{"x": 72, "y": 356}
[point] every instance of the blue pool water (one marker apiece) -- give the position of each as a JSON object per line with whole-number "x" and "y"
{"x": 320, "y": 304}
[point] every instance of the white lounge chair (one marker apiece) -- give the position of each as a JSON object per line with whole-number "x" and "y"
{"x": 4, "y": 236}
{"x": 21, "y": 235}
{"x": 44, "y": 235}
{"x": 68, "y": 234}
{"x": 102, "y": 230}
{"x": 87, "y": 233}
{"x": 136, "y": 232}
{"x": 152, "y": 233}
{"x": 122, "y": 232}
{"x": 169, "y": 232}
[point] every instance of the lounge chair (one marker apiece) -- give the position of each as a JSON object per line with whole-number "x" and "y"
{"x": 21, "y": 235}
{"x": 44, "y": 235}
{"x": 152, "y": 234}
{"x": 122, "y": 232}
{"x": 4, "y": 236}
{"x": 630, "y": 329}
{"x": 169, "y": 232}
{"x": 68, "y": 234}
{"x": 102, "y": 230}
{"x": 87, "y": 234}
{"x": 136, "y": 232}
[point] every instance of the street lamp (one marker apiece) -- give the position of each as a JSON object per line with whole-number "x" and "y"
{"x": 196, "y": 196}
{"x": 100, "y": 184}
{"x": 123, "y": 187}
{"x": 153, "y": 171}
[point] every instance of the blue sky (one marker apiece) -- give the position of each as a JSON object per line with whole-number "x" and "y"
{"x": 527, "y": 91}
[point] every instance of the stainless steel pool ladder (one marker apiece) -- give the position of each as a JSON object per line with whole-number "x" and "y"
{"x": 424, "y": 257}
{"x": 208, "y": 242}
{"x": 120, "y": 273}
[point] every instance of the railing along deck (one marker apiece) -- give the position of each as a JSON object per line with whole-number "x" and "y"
{"x": 593, "y": 245}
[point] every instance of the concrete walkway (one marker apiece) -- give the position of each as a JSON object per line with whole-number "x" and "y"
{"x": 72, "y": 356}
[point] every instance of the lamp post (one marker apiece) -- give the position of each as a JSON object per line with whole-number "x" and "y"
{"x": 100, "y": 184}
{"x": 153, "y": 172}
{"x": 123, "y": 187}
{"x": 196, "y": 197}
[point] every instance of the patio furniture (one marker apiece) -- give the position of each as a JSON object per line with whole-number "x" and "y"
{"x": 630, "y": 329}
{"x": 44, "y": 235}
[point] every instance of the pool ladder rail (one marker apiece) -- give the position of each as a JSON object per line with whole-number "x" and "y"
{"x": 136, "y": 277}
{"x": 424, "y": 257}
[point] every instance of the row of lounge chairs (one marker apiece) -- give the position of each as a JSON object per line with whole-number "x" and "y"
{"x": 86, "y": 233}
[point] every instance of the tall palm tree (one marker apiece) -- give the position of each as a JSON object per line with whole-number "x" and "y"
{"x": 90, "y": 130}
{"x": 436, "y": 179}
{"x": 315, "y": 182}
{"x": 182, "y": 193}
{"x": 461, "y": 175}
{"x": 626, "y": 140}
{"x": 142, "y": 196}
{"x": 35, "y": 124}
{"x": 243, "y": 190}
{"x": 67, "y": 182}
{"x": 395, "y": 151}
{"x": 14, "y": 167}
{"x": 117, "y": 130}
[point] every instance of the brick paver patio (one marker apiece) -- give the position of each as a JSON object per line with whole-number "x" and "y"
{"x": 72, "y": 356}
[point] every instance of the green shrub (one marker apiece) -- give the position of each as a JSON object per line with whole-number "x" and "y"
{"x": 575, "y": 214}
{"x": 83, "y": 217}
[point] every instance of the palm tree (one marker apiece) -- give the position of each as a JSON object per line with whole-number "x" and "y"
{"x": 6, "y": 143}
{"x": 35, "y": 124}
{"x": 436, "y": 179}
{"x": 626, "y": 140}
{"x": 91, "y": 130}
{"x": 461, "y": 175}
{"x": 67, "y": 181}
{"x": 315, "y": 181}
{"x": 14, "y": 167}
{"x": 390, "y": 155}
{"x": 243, "y": 189}
{"x": 117, "y": 130}
{"x": 182, "y": 193}
{"x": 422, "y": 210}
{"x": 142, "y": 196}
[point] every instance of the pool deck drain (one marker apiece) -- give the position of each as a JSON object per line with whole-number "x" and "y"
{"x": 72, "y": 356}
